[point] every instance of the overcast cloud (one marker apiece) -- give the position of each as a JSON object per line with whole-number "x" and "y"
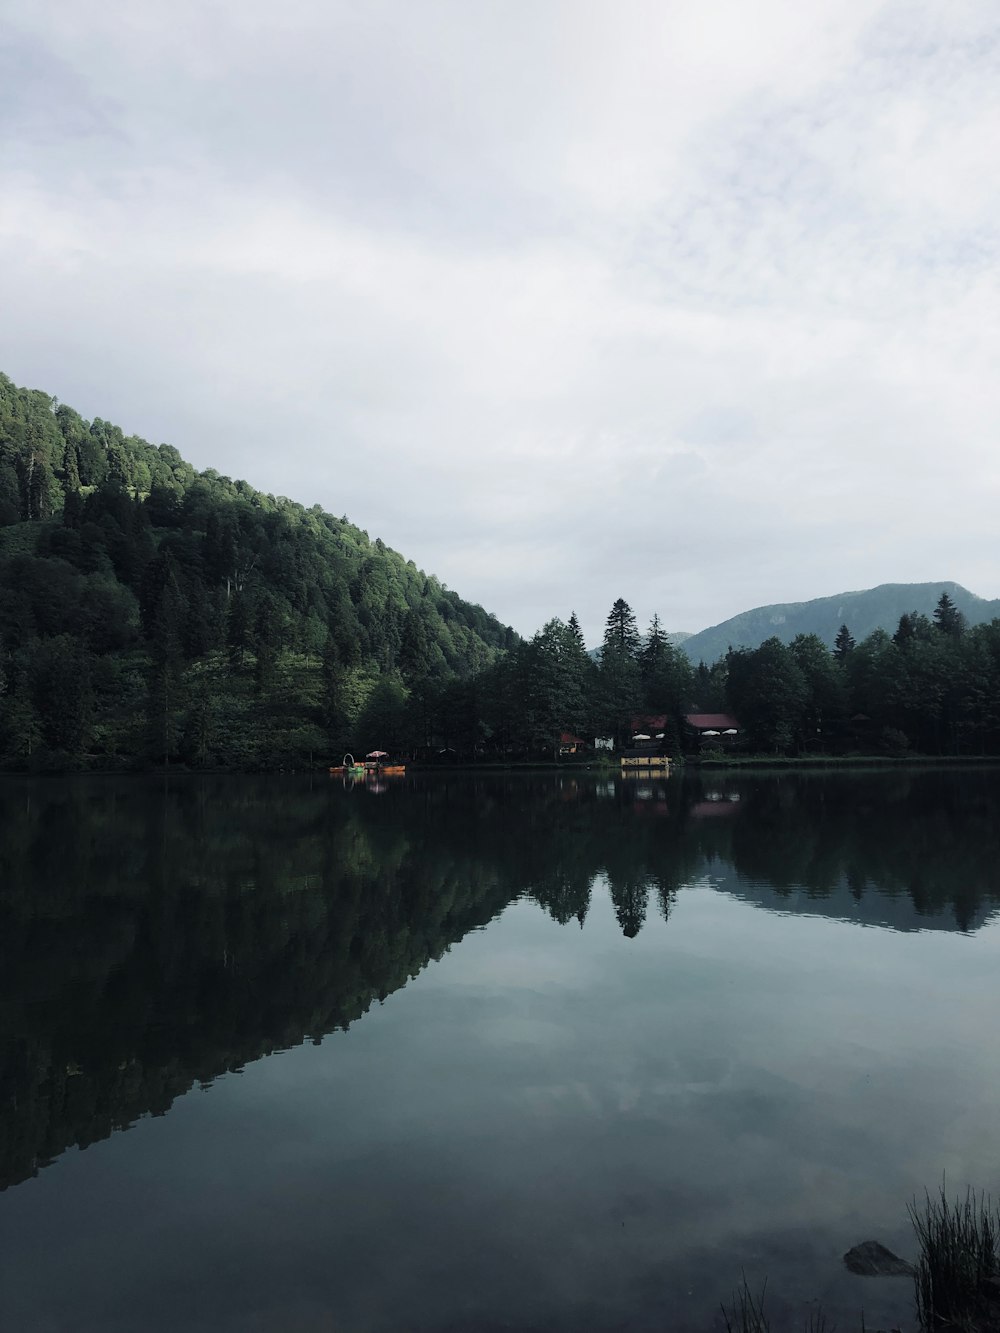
{"x": 693, "y": 302}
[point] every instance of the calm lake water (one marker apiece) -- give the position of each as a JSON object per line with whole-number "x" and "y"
{"x": 482, "y": 1053}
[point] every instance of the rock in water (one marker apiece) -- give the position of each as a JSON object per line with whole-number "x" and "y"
{"x": 870, "y": 1259}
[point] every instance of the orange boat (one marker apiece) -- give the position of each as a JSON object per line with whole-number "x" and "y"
{"x": 375, "y": 763}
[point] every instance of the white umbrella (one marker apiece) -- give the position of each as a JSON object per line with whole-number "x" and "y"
{"x": 730, "y": 731}
{"x": 710, "y": 733}
{"x": 641, "y": 737}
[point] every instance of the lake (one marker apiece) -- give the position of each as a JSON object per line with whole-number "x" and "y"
{"x": 482, "y": 1052}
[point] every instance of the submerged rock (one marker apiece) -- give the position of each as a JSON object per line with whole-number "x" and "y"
{"x": 870, "y": 1259}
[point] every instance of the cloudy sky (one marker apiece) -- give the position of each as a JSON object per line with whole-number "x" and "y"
{"x": 694, "y": 302}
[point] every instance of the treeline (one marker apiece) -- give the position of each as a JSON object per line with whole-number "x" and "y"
{"x": 151, "y": 613}
{"x": 550, "y": 685}
{"x": 932, "y": 687}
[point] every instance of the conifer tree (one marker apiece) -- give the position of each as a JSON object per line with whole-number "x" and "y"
{"x": 843, "y": 644}
{"x": 620, "y": 681}
{"x": 948, "y": 618}
{"x": 573, "y": 625}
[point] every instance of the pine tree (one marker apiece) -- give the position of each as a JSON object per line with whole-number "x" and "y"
{"x": 70, "y": 468}
{"x": 620, "y": 632}
{"x": 843, "y": 644}
{"x": 948, "y": 618}
{"x": 573, "y": 625}
{"x": 619, "y": 671}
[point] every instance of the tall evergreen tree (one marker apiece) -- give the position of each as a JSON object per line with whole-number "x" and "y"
{"x": 573, "y": 625}
{"x": 947, "y": 617}
{"x": 843, "y": 644}
{"x": 621, "y": 635}
{"x": 620, "y": 679}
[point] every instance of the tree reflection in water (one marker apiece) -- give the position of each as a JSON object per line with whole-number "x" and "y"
{"x": 155, "y": 935}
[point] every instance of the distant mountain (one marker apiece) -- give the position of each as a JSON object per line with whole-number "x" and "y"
{"x": 861, "y": 612}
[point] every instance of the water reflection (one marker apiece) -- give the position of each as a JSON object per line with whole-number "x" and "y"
{"x": 153, "y": 936}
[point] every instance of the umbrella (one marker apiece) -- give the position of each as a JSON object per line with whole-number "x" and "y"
{"x": 730, "y": 731}
{"x": 640, "y": 737}
{"x": 710, "y": 733}
{"x": 377, "y": 754}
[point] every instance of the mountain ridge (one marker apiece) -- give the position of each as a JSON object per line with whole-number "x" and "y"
{"x": 862, "y": 611}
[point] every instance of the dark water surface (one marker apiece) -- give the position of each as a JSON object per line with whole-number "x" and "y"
{"x": 486, "y": 1053}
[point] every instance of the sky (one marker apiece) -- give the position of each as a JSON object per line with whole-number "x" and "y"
{"x": 693, "y": 303}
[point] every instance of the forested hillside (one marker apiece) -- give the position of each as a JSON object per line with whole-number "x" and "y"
{"x": 151, "y": 613}
{"x": 862, "y": 613}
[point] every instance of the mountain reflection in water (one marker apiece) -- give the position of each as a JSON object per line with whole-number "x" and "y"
{"x": 155, "y": 935}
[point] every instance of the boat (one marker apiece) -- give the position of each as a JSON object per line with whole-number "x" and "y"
{"x": 375, "y": 763}
{"x": 350, "y": 768}
{"x": 372, "y": 766}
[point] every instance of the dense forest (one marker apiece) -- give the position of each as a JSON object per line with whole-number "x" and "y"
{"x": 175, "y": 930}
{"x": 153, "y": 615}
{"x": 150, "y": 613}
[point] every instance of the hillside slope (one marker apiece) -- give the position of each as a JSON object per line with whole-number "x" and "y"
{"x": 862, "y": 612}
{"x": 149, "y": 611}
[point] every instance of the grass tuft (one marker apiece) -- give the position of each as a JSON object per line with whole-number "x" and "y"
{"x": 959, "y": 1260}
{"x": 817, "y": 1323}
{"x": 747, "y": 1312}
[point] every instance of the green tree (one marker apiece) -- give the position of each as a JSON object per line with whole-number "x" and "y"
{"x": 573, "y": 625}
{"x": 824, "y": 709}
{"x": 555, "y": 685}
{"x": 621, "y": 635}
{"x": 768, "y": 693}
{"x": 238, "y": 628}
{"x": 414, "y": 650}
{"x": 620, "y": 682}
{"x": 667, "y": 677}
{"x": 843, "y": 644}
{"x": 382, "y": 724}
{"x": 61, "y": 693}
{"x": 947, "y": 617}
{"x": 269, "y": 629}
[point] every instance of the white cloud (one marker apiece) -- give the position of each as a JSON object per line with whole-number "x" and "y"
{"x": 698, "y": 305}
